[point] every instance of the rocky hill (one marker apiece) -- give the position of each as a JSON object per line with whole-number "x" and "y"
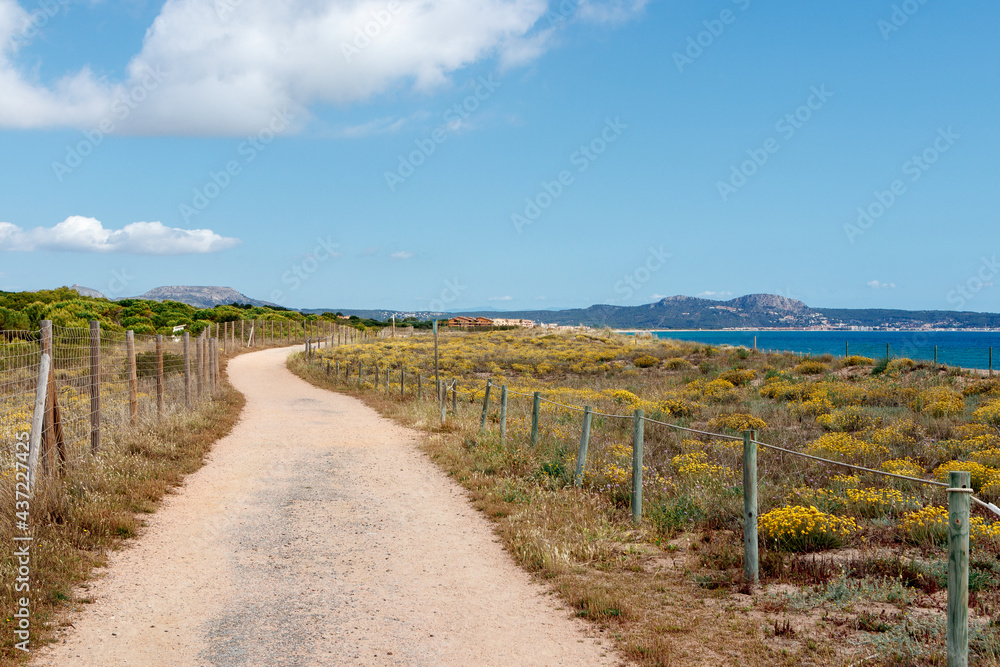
{"x": 201, "y": 297}
{"x": 753, "y": 311}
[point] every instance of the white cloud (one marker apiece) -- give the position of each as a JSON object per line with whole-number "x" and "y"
{"x": 713, "y": 295}
{"x": 228, "y": 65}
{"x": 614, "y": 11}
{"x": 80, "y": 234}
{"x": 401, "y": 254}
{"x": 874, "y": 284}
{"x": 501, "y": 298}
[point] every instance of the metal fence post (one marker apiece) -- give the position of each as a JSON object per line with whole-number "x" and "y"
{"x": 581, "y": 455}
{"x": 751, "y": 569}
{"x": 958, "y": 567}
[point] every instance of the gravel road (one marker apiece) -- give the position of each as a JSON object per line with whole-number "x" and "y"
{"x": 318, "y": 534}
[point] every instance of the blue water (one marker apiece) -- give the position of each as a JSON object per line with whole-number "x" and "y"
{"x": 970, "y": 349}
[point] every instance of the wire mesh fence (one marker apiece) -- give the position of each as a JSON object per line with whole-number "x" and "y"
{"x": 104, "y": 381}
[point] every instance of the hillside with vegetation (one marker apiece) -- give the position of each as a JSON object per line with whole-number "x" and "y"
{"x": 853, "y": 564}
{"x": 22, "y": 311}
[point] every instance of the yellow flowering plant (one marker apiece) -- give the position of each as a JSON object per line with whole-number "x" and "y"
{"x": 799, "y": 528}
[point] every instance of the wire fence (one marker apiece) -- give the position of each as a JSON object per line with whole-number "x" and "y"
{"x": 103, "y": 381}
{"x": 516, "y": 417}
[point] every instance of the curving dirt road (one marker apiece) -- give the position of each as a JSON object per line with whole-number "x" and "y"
{"x": 318, "y": 534}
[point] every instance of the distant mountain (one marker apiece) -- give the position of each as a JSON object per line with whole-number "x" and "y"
{"x": 86, "y": 291}
{"x": 201, "y": 297}
{"x": 754, "y": 311}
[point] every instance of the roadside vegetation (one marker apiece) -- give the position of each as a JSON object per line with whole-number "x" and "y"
{"x": 22, "y": 311}
{"x": 95, "y": 505}
{"x": 853, "y": 565}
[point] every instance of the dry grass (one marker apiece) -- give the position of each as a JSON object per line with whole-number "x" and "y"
{"x": 670, "y": 591}
{"x": 99, "y": 503}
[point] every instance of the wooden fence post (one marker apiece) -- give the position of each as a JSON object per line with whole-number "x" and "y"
{"x": 536, "y": 409}
{"x": 637, "y": 437}
{"x": 581, "y": 455}
{"x": 243, "y": 332}
{"x": 376, "y": 377}
{"x": 199, "y": 349}
{"x": 38, "y": 418}
{"x": 187, "y": 369}
{"x": 751, "y": 569}
{"x": 486, "y": 407}
{"x": 402, "y": 382}
{"x": 958, "y": 567}
{"x": 133, "y": 378}
{"x": 503, "y": 413}
{"x": 159, "y": 376}
{"x": 95, "y": 386}
{"x": 437, "y": 376}
{"x": 443, "y": 401}
{"x": 935, "y": 354}
{"x": 454, "y": 396}
{"x": 49, "y": 423}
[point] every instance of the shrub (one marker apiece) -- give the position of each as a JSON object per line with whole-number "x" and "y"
{"x": 982, "y": 387}
{"x": 797, "y": 528}
{"x": 678, "y": 407}
{"x": 897, "y": 366}
{"x": 849, "y": 419}
{"x": 979, "y": 475}
{"x": 988, "y": 457}
{"x": 878, "y": 502}
{"x": 847, "y": 448}
{"x": 738, "y": 376}
{"x": 906, "y": 467}
{"x": 695, "y": 464}
{"x": 720, "y": 390}
{"x": 930, "y": 526}
{"x": 646, "y": 361}
{"x": 927, "y": 526}
{"x": 856, "y": 360}
{"x": 781, "y": 389}
{"x": 737, "y": 421}
{"x": 880, "y": 366}
{"x": 811, "y": 368}
{"x": 677, "y": 364}
{"x": 624, "y": 397}
{"x": 988, "y": 414}
{"x": 901, "y": 433}
{"x": 938, "y": 402}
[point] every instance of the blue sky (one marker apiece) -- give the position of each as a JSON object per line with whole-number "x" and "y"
{"x": 603, "y": 154}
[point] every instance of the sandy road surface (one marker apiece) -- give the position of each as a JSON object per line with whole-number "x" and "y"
{"x": 318, "y": 534}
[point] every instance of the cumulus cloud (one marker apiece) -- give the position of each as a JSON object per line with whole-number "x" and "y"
{"x": 501, "y": 298}
{"x": 875, "y": 284}
{"x": 80, "y": 234}
{"x": 714, "y": 295}
{"x": 228, "y": 65}
{"x": 401, "y": 254}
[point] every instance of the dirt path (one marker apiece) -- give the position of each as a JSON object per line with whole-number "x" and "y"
{"x": 318, "y": 534}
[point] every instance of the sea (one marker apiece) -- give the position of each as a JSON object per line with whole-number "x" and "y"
{"x": 969, "y": 349}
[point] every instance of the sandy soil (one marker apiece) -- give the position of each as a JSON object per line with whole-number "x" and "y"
{"x": 318, "y": 534}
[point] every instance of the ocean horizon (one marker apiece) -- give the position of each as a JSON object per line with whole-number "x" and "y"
{"x": 966, "y": 348}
